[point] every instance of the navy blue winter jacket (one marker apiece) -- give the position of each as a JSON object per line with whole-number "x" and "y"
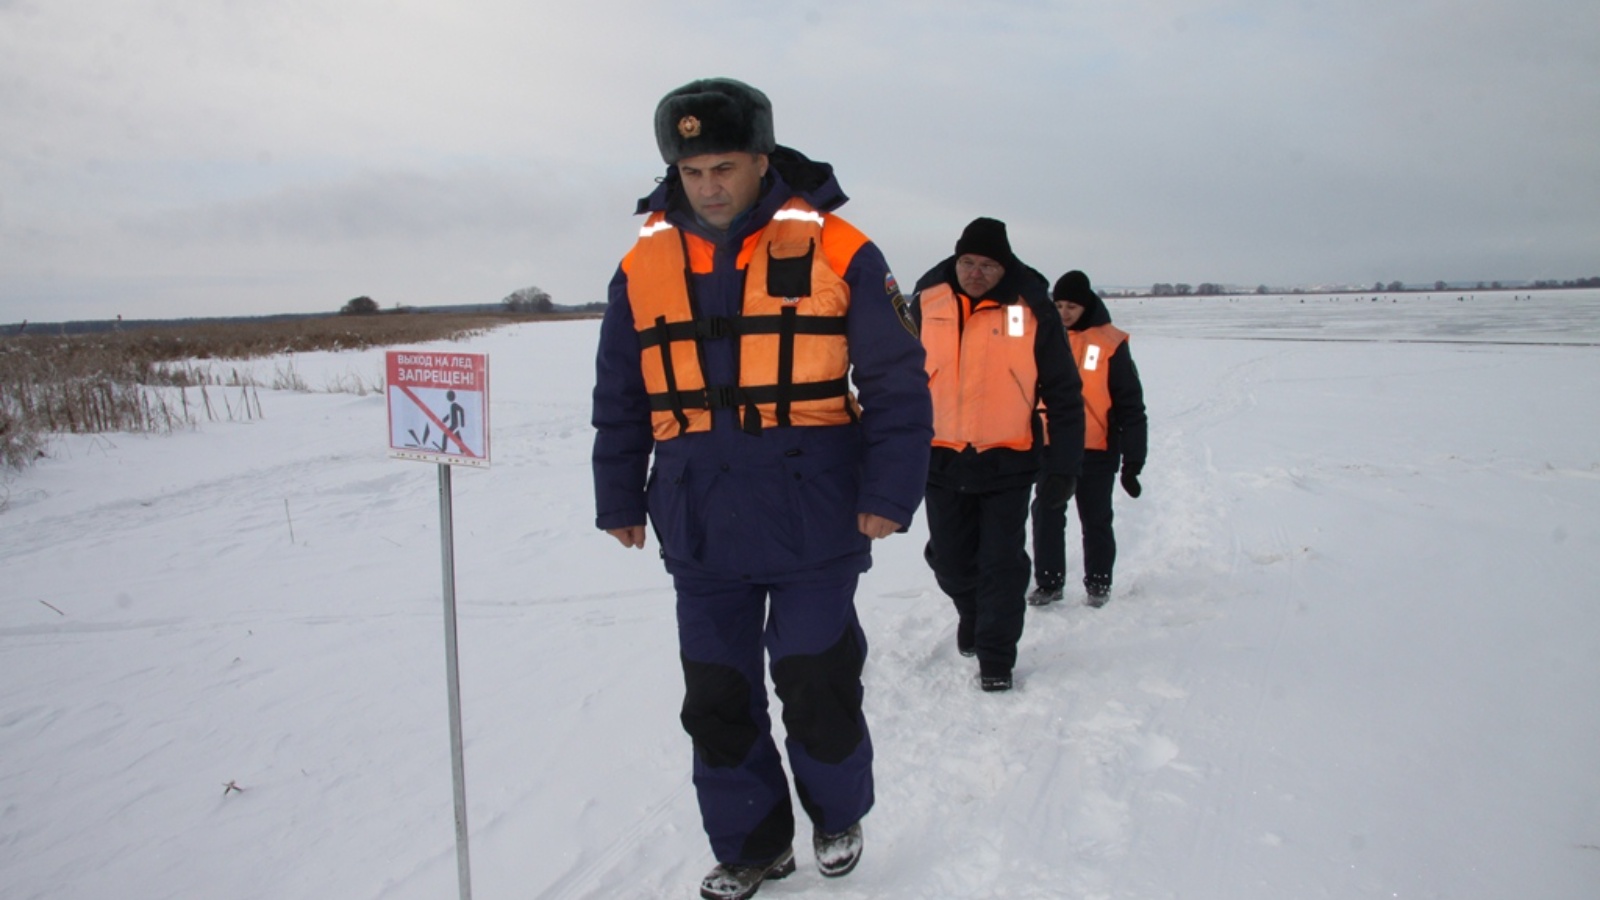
{"x": 782, "y": 504}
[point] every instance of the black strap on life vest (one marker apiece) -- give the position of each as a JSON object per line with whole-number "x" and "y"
{"x": 710, "y": 328}
{"x": 785, "y": 365}
{"x": 717, "y": 327}
{"x": 786, "y": 325}
{"x": 724, "y": 396}
{"x": 663, "y": 335}
{"x": 671, "y": 376}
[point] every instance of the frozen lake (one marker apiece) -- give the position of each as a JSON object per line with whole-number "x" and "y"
{"x": 1525, "y": 317}
{"x": 1352, "y": 650}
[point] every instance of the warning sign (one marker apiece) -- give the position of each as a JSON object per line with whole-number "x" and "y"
{"x": 439, "y": 407}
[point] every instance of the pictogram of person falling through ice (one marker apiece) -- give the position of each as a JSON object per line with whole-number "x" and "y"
{"x": 452, "y": 424}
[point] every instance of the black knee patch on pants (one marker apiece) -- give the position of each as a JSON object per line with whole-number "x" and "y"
{"x": 716, "y": 713}
{"x": 821, "y": 696}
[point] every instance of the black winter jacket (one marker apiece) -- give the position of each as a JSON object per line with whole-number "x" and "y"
{"x": 1127, "y": 428}
{"x": 1059, "y": 387}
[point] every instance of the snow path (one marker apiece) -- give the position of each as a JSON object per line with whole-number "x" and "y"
{"x": 1351, "y": 652}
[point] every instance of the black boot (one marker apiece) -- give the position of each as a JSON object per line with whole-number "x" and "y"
{"x": 993, "y": 678}
{"x": 838, "y": 853}
{"x": 1043, "y": 596}
{"x": 731, "y": 881}
{"x": 1098, "y": 589}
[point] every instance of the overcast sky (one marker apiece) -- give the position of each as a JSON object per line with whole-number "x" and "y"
{"x": 213, "y": 157}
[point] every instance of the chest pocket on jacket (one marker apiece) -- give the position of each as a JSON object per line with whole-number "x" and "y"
{"x": 789, "y": 269}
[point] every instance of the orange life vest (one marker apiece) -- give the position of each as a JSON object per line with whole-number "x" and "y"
{"x": 982, "y": 374}
{"x": 793, "y": 355}
{"x": 1092, "y": 349}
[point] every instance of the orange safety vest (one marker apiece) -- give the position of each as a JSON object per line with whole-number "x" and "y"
{"x": 793, "y": 354}
{"x": 983, "y": 376}
{"x": 1092, "y": 348}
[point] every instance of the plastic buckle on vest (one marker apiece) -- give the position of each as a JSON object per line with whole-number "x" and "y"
{"x": 722, "y": 396}
{"x": 714, "y": 327}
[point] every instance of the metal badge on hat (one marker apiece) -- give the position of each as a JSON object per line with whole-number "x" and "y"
{"x": 689, "y": 127}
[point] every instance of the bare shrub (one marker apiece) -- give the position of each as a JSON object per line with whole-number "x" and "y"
{"x": 19, "y": 444}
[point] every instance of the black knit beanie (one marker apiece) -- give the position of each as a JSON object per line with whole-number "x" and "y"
{"x": 986, "y": 237}
{"x": 713, "y": 115}
{"x": 1073, "y": 287}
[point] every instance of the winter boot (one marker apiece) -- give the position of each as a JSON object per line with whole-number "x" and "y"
{"x": 966, "y": 637}
{"x": 993, "y": 684}
{"x": 993, "y": 678}
{"x": 1098, "y": 589}
{"x": 730, "y": 881}
{"x": 1043, "y": 596}
{"x": 838, "y": 853}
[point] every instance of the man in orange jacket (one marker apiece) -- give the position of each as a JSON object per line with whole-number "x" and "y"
{"x": 1116, "y": 432}
{"x": 995, "y": 351}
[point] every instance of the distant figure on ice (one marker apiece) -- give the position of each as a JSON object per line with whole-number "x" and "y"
{"x": 1115, "y": 434}
{"x": 995, "y": 352}
{"x": 734, "y": 330}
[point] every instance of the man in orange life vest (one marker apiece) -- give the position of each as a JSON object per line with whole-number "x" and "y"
{"x": 1116, "y": 432}
{"x": 734, "y": 330}
{"x": 995, "y": 351}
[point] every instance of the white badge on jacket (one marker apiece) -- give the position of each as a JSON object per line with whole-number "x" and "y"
{"x": 1091, "y": 358}
{"x": 1014, "y": 325}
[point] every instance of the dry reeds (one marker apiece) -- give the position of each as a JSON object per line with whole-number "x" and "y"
{"x": 152, "y": 379}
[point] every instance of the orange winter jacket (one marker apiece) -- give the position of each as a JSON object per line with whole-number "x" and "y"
{"x": 793, "y": 354}
{"x": 981, "y": 370}
{"x": 1092, "y": 349}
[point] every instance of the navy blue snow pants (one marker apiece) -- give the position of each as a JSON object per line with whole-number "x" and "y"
{"x": 809, "y": 634}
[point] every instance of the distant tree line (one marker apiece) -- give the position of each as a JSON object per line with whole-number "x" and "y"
{"x": 529, "y": 300}
{"x": 1211, "y": 289}
{"x": 359, "y": 306}
{"x": 1206, "y": 289}
{"x": 534, "y": 300}
{"x": 1397, "y": 286}
{"x": 1576, "y": 283}
{"x": 366, "y": 306}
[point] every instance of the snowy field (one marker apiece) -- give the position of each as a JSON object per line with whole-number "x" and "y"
{"x": 1353, "y": 651}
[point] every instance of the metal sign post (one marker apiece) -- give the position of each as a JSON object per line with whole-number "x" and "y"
{"x": 458, "y": 767}
{"x": 439, "y": 412}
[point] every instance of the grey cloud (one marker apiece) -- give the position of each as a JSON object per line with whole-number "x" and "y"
{"x": 370, "y": 206}
{"x": 440, "y": 153}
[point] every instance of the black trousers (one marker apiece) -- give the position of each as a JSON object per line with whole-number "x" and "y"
{"x": 1093, "y": 501}
{"x": 979, "y": 553}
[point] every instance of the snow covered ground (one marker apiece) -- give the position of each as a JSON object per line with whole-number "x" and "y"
{"x": 1353, "y": 650}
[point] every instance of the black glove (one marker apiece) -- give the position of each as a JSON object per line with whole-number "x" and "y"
{"x": 1130, "y": 481}
{"x": 1056, "y": 490}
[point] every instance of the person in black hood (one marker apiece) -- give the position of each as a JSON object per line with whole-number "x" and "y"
{"x": 1116, "y": 433}
{"x": 995, "y": 353}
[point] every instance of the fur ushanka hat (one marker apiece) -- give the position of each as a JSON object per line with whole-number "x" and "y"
{"x": 713, "y": 115}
